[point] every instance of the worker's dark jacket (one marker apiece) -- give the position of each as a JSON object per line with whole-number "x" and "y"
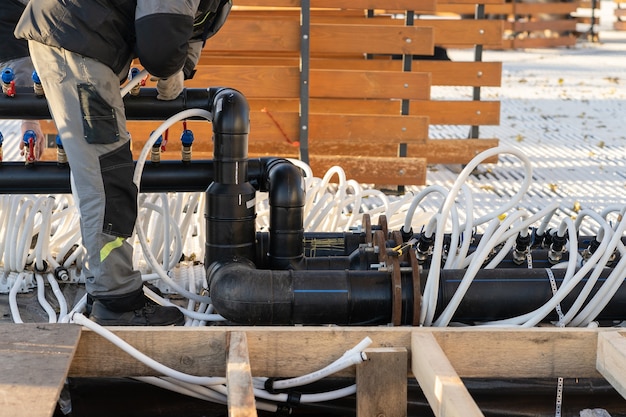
{"x": 10, "y": 47}
{"x": 115, "y": 31}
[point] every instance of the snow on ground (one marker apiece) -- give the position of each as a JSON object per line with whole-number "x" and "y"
{"x": 565, "y": 109}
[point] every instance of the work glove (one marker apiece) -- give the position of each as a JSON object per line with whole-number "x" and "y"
{"x": 39, "y": 143}
{"x": 171, "y": 87}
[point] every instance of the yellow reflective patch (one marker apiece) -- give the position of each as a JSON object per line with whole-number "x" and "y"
{"x": 108, "y": 248}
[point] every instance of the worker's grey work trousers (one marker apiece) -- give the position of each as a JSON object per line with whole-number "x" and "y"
{"x": 87, "y": 108}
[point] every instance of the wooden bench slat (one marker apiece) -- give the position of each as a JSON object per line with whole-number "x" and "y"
{"x": 452, "y": 151}
{"x": 554, "y": 26}
{"x": 373, "y": 170}
{"x": 252, "y": 81}
{"x": 256, "y": 35}
{"x": 392, "y": 39}
{"x": 464, "y": 32}
{"x": 442, "y": 112}
{"x": 547, "y": 8}
{"x": 365, "y": 84}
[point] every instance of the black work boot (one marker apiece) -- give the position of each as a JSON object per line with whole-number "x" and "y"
{"x": 149, "y": 315}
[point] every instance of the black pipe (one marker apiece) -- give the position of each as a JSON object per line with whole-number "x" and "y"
{"x": 285, "y": 184}
{"x": 51, "y": 178}
{"x": 230, "y": 208}
{"x": 497, "y": 294}
{"x": 246, "y": 295}
{"x": 145, "y": 106}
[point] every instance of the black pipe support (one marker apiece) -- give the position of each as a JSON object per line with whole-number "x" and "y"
{"x": 145, "y": 106}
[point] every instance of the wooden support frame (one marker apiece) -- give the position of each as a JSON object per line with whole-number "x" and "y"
{"x": 439, "y": 358}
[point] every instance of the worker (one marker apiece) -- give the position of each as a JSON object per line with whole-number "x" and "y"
{"x": 82, "y": 50}
{"x": 14, "y": 58}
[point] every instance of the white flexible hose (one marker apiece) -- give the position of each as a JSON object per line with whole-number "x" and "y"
{"x": 145, "y": 359}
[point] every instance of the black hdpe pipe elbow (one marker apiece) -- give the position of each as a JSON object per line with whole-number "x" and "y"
{"x": 230, "y": 208}
{"x": 285, "y": 185}
{"x": 249, "y": 296}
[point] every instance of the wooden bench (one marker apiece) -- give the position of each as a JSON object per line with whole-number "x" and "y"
{"x": 620, "y": 15}
{"x": 357, "y": 98}
{"x": 535, "y": 24}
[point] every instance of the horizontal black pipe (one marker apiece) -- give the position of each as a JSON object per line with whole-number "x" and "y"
{"x": 246, "y": 295}
{"x": 497, "y": 294}
{"x": 51, "y": 178}
{"x": 145, "y": 106}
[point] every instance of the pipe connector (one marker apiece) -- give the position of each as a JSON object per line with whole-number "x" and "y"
{"x": 522, "y": 248}
{"x": 37, "y": 87}
{"x": 424, "y": 248}
{"x": 557, "y": 249}
{"x": 8, "y": 82}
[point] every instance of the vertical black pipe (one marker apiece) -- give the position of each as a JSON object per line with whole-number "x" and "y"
{"x": 285, "y": 184}
{"x": 230, "y": 208}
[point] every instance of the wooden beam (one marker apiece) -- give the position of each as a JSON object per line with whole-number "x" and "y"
{"x": 34, "y": 363}
{"x": 239, "y": 380}
{"x": 293, "y": 351}
{"x": 611, "y": 359}
{"x": 382, "y": 384}
{"x": 444, "y": 390}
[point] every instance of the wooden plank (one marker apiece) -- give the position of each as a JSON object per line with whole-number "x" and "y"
{"x": 34, "y": 363}
{"x": 363, "y": 84}
{"x": 451, "y": 73}
{"x": 611, "y": 359}
{"x": 256, "y": 35}
{"x": 373, "y": 170}
{"x": 469, "y": 9}
{"x": 345, "y": 4}
{"x": 338, "y": 38}
{"x": 443, "y": 388}
{"x": 443, "y": 73}
{"x": 449, "y": 112}
{"x": 544, "y": 42}
{"x": 470, "y": 2}
{"x": 545, "y": 8}
{"x": 553, "y": 26}
{"x": 382, "y": 384}
{"x": 291, "y": 351}
{"x": 238, "y": 377}
{"x": 252, "y": 81}
{"x": 452, "y": 151}
{"x": 467, "y": 32}
{"x": 359, "y": 128}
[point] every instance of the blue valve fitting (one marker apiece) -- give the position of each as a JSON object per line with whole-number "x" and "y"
{"x": 186, "y": 140}
{"x": 155, "y": 155}
{"x": 8, "y": 82}
{"x": 37, "y": 85}
{"x": 8, "y": 75}
{"x": 134, "y": 72}
{"x": 61, "y": 155}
